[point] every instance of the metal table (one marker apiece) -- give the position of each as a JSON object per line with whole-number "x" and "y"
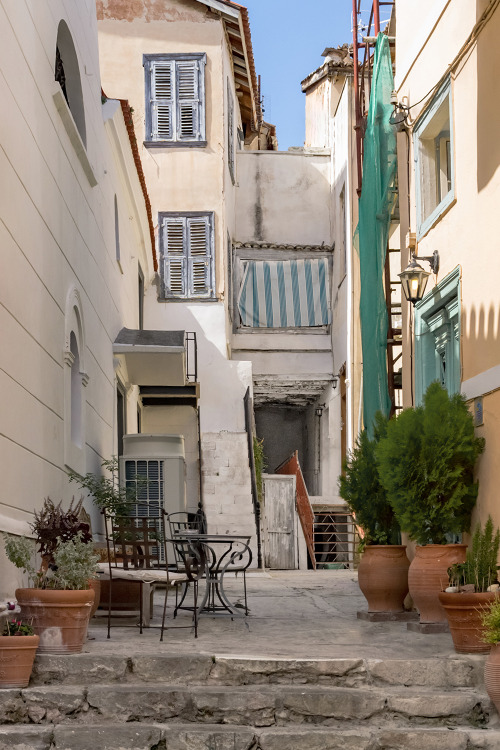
{"x": 227, "y": 553}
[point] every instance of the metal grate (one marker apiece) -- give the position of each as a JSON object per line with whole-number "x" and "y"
{"x": 334, "y": 537}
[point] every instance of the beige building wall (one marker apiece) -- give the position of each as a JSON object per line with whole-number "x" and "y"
{"x": 190, "y": 179}
{"x": 465, "y": 234}
{"x": 58, "y": 253}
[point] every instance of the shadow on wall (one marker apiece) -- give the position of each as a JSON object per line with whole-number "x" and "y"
{"x": 480, "y": 339}
{"x": 488, "y": 96}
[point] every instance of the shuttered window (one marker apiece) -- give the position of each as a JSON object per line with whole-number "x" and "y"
{"x": 230, "y": 131}
{"x": 175, "y": 99}
{"x": 186, "y": 247}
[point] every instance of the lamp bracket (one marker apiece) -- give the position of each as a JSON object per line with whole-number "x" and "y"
{"x": 433, "y": 260}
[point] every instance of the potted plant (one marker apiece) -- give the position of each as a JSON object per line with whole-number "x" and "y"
{"x": 60, "y": 598}
{"x": 383, "y": 570}
{"x": 18, "y": 645}
{"x": 53, "y": 525}
{"x": 491, "y": 636}
{"x": 472, "y": 588}
{"x": 115, "y": 500}
{"x": 426, "y": 464}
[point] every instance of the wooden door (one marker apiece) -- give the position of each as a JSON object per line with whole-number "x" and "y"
{"x": 280, "y": 523}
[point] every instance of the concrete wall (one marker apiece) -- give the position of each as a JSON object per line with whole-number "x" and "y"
{"x": 285, "y": 200}
{"x": 463, "y": 234}
{"x": 57, "y": 251}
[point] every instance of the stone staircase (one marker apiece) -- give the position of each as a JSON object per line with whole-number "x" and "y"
{"x": 199, "y": 702}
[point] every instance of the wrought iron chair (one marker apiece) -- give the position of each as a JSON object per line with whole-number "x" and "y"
{"x": 137, "y": 552}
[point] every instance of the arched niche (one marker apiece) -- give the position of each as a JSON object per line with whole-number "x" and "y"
{"x": 75, "y": 381}
{"x": 67, "y": 74}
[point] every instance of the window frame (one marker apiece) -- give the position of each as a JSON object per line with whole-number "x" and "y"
{"x": 438, "y": 310}
{"x": 175, "y": 142}
{"x": 231, "y": 156}
{"x": 422, "y": 123}
{"x": 210, "y": 296}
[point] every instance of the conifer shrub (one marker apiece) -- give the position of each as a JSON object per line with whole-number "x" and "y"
{"x": 426, "y": 464}
{"x": 363, "y": 492}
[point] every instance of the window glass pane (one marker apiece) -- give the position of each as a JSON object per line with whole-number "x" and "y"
{"x": 434, "y": 159}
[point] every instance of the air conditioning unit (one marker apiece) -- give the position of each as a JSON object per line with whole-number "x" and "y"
{"x": 153, "y": 467}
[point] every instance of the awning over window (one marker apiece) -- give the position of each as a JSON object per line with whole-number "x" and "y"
{"x": 285, "y": 293}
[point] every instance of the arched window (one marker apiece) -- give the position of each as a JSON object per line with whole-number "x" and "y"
{"x": 75, "y": 380}
{"x": 76, "y": 393}
{"x": 67, "y": 74}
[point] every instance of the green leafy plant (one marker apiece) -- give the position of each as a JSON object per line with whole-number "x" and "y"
{"x": 105, "y": 490}
{"x": 366, "y": 497}
{"x": 480, "y": 567}
{"x": 260, "y": 465}
{"x": 52, "y": 525}
{"x": 426, "y": 464}
{"x": 17, "y": 627}
{"x": 491, "y": 623}
{"x": 75, "y": 562}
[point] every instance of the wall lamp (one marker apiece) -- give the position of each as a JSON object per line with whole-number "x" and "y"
{"x": 414, "y": 278}
{"x": 335, "y": 380}
{"x": 319, "y": 410}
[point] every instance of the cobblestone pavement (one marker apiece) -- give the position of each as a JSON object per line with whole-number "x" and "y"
{"x": 297, "y": 614}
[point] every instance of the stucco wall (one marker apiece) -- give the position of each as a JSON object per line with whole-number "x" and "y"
{"x": 464, "y": 234}
{"x": 58, "y": 234}
{"x": 285, "y": 199}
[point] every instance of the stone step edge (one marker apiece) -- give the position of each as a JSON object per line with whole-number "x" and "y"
{"x": 268, "y": 688}
{"x": 460, "y": 671}
{"x": 41, "y": 737}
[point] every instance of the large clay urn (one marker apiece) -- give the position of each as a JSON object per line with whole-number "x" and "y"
{"x": 59, "y": 617}
{"x": 383, "y": 577}
{"x": 428, "y": 575}
{"x": 464, "y": 612}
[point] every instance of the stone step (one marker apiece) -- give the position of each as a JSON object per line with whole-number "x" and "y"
{"x": 134, "y": 736}
{"x": 199, "y": 669}
{"x": 253, "y": 705}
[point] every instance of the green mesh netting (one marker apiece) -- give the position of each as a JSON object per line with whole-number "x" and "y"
{"x": 379, "y": 168}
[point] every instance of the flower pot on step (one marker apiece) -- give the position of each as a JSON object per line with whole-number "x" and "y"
{"x": 428, "y": 576}
{"x": 383, "y": 577}
{"x": 59, "y": 617}
{"x": 17, "y": 654}
{"x": 464, "y": 612}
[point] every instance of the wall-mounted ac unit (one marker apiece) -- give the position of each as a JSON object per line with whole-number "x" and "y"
{"x": 153, "y": 467}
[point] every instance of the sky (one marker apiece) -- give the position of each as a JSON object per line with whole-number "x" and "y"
{"x": 288, "y": 37}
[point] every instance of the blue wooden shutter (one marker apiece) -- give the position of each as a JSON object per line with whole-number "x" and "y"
{"x": 199, "y": 256}
{"x": 174, "y": 257}
{"x": 162, "y": 101}
{"x": 188, "y": 100}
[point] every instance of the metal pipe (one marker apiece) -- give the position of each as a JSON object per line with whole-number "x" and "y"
{"x": 376, "y": 17}
{"x": 357, "y": 112}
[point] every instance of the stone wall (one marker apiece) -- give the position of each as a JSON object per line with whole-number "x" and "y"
{"x": 227, "y": 490}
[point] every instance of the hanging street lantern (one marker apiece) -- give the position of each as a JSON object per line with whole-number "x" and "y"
{"x": 414, "y": 278}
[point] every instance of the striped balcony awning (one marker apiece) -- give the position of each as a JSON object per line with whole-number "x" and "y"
{"x": 285, "y": 293}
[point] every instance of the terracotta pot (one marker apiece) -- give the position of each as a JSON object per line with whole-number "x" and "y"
{"x": 464, "y": 613}
{"x": 383, "y": 577}
{"x": 60, "y": 618}
{"x": 492, "y": 675}
{"x": 95, "y": 585}
{"x": 428, "y": 575}
{"x": 17, "y": 654}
